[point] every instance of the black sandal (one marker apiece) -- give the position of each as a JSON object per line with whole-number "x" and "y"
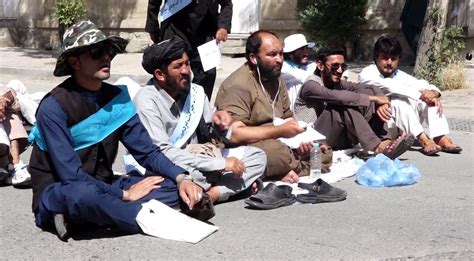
{"x": 272, "y": 196}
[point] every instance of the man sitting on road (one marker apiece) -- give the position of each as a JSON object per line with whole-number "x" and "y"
{"x": 13, "y": 141}
{"x": 348, "y": 113}
{"x": 411, "y": 98}
{"x": 256, "y": 97}
{"x": 79, "y": 126}
{"x": 179, "y": 119}
{"x": 296, "y": 67}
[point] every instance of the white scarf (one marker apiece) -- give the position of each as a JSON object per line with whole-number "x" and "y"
{"x": 190, "y": 116}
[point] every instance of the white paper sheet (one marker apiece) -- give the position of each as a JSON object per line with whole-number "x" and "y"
{"x": 157, "y": 219}
{"x": 436, "y": 126}
{"x": 309, "y": 135}
{"x": 344, "y": 166}
{"x": 210, "y": 54}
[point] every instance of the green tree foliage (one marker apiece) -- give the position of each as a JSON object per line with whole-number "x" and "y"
{"x": 332, "y": 22}
{"x": 442, "y": 55}
{"x": 69, "y": 12}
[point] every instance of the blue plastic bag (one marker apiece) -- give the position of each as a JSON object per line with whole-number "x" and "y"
{"x": 380, "y": 171}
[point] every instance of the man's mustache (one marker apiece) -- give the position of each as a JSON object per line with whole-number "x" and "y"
{"x": 188, "y": 78}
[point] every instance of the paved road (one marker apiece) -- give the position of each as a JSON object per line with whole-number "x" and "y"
{"x": 432, "y": 219}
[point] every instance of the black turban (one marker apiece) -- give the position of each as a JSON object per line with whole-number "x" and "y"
{"x": 162, "y": 53}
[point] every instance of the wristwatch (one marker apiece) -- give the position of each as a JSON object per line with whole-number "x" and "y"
{"x": 187, "y": 177}
{"x": 183, "y": 177}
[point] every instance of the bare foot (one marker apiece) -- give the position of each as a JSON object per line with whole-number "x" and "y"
{"x": 291, "y": 177}
{"x": 214, "y": 194}
{"x": 447, "y": 144}
{"x": 254, "y": 188}
{"x": 428, "y": 145}
{"x": 382, "y": 145}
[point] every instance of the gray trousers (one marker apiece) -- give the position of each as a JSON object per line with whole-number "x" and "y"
{"x": 255, "y": 161}
{"x": 346, "y": 126}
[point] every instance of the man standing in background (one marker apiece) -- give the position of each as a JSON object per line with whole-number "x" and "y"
{"x": 197, "y": 23}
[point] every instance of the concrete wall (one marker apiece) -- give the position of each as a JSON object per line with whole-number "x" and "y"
{"x": 279, "y": 16}
{"x": 36, "y": 27}
{"x": 382, "y": 17}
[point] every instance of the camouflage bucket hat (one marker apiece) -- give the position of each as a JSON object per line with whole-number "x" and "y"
{"x": 79, "y": 35}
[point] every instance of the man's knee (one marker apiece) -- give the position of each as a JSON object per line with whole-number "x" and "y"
{"x": 280, "y": 158}
{"x": 81, "y": 194}
{"x": 255, "y": 156}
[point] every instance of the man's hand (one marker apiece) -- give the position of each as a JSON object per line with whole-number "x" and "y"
{"x": 9, "y": 96}
{"x": 189, "y": 192}
{"x": 222, "y": 119}
{"x": 142, "y": 188}
{"x": 290, "y": 129}
{"x": 379, "y": 100}
{"x": 428, "y": 96}
{"x": 221, "y": 35}
{"x": 437, "y": 102}
{"x": 155, "y": 37}
{"x": 431, "y": 98}
{"x": 384, "y": 113}
{"x": 305, "y": 147}
{"x": 235, "y": 165}
{"x": 4, "y": 103}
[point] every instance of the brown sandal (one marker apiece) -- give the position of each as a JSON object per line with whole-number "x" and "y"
{"x": 448, "y": 146}
{"x": 398, "y": 146}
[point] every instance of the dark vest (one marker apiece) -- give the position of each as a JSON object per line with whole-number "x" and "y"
{"x": 96, "y": 160}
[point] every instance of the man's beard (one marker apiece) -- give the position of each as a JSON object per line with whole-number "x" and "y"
{"x": 327, "y": 78}
{"x": 268, "y": 73}
{"x": 387, "y": 72}
{"x": 181, "y": 90}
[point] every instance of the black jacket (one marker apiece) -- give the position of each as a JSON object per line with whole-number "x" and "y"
{"x": 196, "y": 24}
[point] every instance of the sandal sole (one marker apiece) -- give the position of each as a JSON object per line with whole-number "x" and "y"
{"x": 258, "y": 205}
{"x": 316, "y": 200}
{"x": 402, "y": 147}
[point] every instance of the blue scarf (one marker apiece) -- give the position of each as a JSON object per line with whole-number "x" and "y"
{"x": 98, "y": 126}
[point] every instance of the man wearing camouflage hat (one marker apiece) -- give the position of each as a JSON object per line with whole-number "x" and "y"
{"x": 79, "y": 125}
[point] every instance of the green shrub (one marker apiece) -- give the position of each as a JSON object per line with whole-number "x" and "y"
{"x": 332, "y": 22}
{"x": 69, "y": 12}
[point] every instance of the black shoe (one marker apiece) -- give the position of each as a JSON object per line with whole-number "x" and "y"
{"x": 319, "y": 192}
{"x": 4, "y": 177}
{"x": 272, "y": 196}
{"x": 203, "y": 210}
{"x": 61, "y": 226}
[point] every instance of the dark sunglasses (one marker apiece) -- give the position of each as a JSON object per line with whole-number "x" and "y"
{"x": 97, "y": 51}
{"x": 335, "y": 66}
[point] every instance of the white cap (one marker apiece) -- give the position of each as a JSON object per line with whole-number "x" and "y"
{"x": 295, "y": 41}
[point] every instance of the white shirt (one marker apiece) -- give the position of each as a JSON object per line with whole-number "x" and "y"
{"x": 398, "y": 84}
{"x": 160, "y": 114}
{"x": 294, "y": 77}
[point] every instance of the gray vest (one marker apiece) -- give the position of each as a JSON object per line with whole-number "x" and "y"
{"x": 306, "y": 110}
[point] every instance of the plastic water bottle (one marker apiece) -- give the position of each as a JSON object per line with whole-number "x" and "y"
{"x": 315, "y": 159}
